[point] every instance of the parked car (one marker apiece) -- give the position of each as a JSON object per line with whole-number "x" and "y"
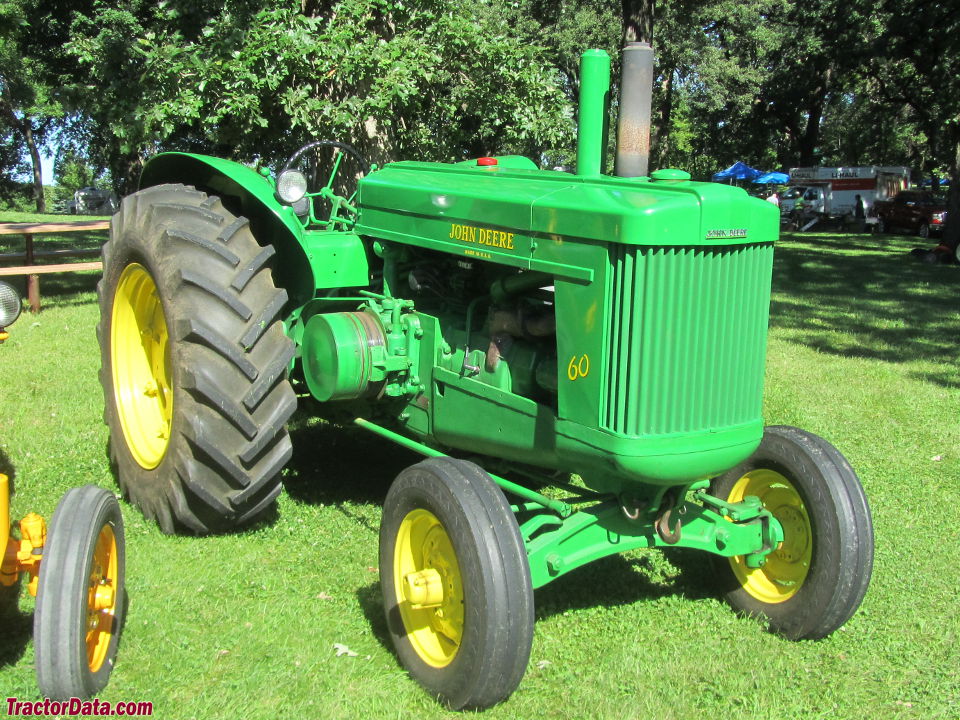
{"x": 93, "y": 201}
{"x": 918, "y": 211}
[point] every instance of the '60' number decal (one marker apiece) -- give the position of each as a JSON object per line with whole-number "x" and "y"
{"x": 578, "y": 368}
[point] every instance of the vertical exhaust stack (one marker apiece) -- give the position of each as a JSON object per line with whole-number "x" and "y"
{"x": 594, "y": 103}
{"x": 633, "y": 127}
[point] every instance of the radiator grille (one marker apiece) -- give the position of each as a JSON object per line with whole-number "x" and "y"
{"x": 687, "y": 338}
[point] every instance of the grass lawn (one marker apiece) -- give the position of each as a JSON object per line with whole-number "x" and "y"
{"x": 863, "y": 350}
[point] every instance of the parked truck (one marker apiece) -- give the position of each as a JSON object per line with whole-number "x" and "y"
{"x": 832, "y": 191}
{"x": 918, "y": 211}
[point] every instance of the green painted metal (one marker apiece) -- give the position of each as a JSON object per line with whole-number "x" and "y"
{"x": 306, "y": 260}
{"x": 557, "y": 546}
{"x": 661, "y": 290}
{"x": 592, "y": 123}
{"x": 343, "y": 355}
{"x": 557, "y": 506}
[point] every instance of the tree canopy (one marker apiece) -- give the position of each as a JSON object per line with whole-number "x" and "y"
{"x": 775, "y": 83}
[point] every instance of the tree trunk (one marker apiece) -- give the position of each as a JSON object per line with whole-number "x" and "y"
{"x": 637, "y": 21}
{"x": 38, "y": 197}
{"x": 951, "y": 232}
{"x": 661, "y": 133}
{"x": 808, "y": 141}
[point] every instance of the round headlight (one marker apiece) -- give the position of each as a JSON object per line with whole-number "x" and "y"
{"x": 291, "y": 186}
{"x": 10, "y": 304}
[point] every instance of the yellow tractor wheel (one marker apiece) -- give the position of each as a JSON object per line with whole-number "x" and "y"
{"x": 814, "y": 581}
{"x": 194, "y": 362}
{"x": 80, "y": 597}
{"x": 456, "y": 583}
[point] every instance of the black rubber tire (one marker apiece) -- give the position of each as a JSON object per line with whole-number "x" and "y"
{"x": 229, "y": 356}
{"x": 60, "y": 618}
{"x": 841, "y": 527}
{"x": 882, "y": 226}
{"x": 498, "y": 596}
{"x": 924, "y": 231}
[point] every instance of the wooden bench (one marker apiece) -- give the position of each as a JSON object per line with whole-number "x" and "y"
{"x": 32, "y": 270}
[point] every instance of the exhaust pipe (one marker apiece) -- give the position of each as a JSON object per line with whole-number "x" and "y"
{"x": 633, "y": 127}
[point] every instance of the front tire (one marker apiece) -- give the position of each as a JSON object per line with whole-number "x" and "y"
{"x": 80, "y": 597}
{"x": 816, "y": 579}
{"x": 193, "y": 362}
{"x": 456, "y": 583}
{"x": 924, "y": 231}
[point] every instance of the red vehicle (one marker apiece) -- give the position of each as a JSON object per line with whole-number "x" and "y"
{"x": 918, "y": 211}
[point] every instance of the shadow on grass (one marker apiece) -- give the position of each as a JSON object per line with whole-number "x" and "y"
{"x": 621, "y": 580}
{"x": 60, "y": 289}
{"x": 864, "y": 296}
{"x": 16, "y": 626}
{"x": 370, "y": 600}
{"x": 343, "y": 466}
{"x": 615, "y": 580}
{"x": 332, "y": 464}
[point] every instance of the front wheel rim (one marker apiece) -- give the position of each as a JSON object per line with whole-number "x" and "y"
{"x": 140, "y": 358}
{"x": 102, "y": 598}
{"x": 786, "y": 568}
{"x": 423, "y": 550}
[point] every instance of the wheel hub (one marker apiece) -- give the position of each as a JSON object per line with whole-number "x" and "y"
{"x": 427, "y": 578}
{"x": 783, "y": 574}
{"x": 423, "y": 589}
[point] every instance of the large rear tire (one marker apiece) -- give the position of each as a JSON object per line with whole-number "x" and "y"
{"x": 193, "y": 362}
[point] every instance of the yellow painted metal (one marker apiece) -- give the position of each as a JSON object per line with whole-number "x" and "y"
{"x": 423, "y": 589}
{"x": 5, "y": 529}
{"x": 25, "y": 554}
{"x": 786, "y": 568}
{"x": 140, "y": 357}
{"x": 423, "y": 552}
{"x": 33, "y": 534}
{"x": 101, "y": 598}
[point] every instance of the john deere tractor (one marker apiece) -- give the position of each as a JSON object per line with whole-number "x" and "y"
{"x": 525, "y": 330}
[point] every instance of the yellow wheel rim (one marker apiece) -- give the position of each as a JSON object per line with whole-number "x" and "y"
{"x": 786, "y": 568}
{"x": 426, "y": 576}
{"x": 101, "y": 599}
{"x": 140, "y": 357}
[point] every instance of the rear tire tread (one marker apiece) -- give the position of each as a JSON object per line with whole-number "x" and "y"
{"x": 229, "y": 357}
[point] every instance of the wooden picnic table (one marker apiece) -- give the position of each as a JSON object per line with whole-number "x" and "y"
{"x": 32, "y": 270}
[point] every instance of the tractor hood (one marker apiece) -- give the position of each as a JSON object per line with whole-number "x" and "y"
{"x": 513, "y": 213}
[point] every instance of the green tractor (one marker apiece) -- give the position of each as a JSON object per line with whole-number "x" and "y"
{"x": 579, "y": 357}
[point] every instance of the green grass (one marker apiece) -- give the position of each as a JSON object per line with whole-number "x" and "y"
{"x": 863, "y": 350}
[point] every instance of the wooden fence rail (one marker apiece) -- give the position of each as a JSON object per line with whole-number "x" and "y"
{"x": 32, "y": 270}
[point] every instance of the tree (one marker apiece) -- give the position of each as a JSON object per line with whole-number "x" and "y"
{"x": 917, "y": 66}
{"x": 28, "y": 103}
{"x": 433, "y": 79}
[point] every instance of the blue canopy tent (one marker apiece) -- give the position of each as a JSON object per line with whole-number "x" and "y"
{"x": 772, "y": 178}
{"x": 738, "y": 171}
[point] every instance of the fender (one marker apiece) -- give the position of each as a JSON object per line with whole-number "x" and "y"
{"x": 305, "y": 260}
